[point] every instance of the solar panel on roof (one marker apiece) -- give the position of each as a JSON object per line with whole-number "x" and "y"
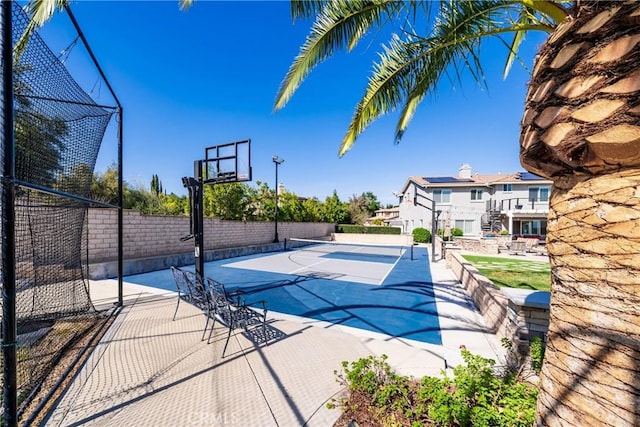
{"x": 445, "y": 179}
{"x": 528, "y": 176}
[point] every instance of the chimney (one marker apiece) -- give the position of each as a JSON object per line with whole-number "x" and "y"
{"x": 464, "y": 171}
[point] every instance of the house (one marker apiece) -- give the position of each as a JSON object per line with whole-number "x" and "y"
{"x": 477, "y": 204}
{"x": 388, "y": 217}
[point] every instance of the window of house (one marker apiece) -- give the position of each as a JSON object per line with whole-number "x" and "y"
{"x": 507, "y": 187}
{"x": 533, "y": 228}
{"x": 476, "y": 194}
{"x": 539, "y": 194}
{"x": 442, "y": 196}
{"x": 466, "y": 225}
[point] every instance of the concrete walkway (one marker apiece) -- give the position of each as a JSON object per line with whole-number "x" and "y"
{"x": 149, "y": 370}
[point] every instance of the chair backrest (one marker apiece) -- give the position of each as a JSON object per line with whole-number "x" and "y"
{"x": 188, "y": 280}
{"x": 222, "y": 305}
{"x": 181, "y": 282}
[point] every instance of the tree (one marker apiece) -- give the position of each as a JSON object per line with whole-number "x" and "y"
{"x": 580, "y": 129}
{"x": 290, "y": 207}
{"x": 371, "y": 201}
{"x": 104, "y": 186}
{"x": 334, "y": 210}
{"x": 39, "y": 138}
{"x": 156, "y": 185}
{"x": 227, "y": 201}
{"x": 263, "y": 204}
{"x": 312, "y": 210}
{"x": 362, "y": 207}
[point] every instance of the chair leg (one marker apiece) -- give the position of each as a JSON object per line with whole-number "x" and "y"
{"x": 211, "y": 330}
{"x": 227, "y": 342}
{"x": 177, "y": 305}
{"x": 264, "y": 332}
{"x": 206, "y": 323}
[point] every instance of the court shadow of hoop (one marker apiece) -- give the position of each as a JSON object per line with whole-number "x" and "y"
{"x": 320, "y": 275}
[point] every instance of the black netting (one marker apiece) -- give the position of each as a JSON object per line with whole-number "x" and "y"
{"x": 58, "y": 134}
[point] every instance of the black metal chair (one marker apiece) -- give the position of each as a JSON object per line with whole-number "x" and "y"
{"x": 233, "y": 312}
{"x": 184, "y": 291}
{"x": 192, "y": 291}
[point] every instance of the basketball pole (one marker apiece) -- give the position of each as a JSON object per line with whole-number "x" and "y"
{"x": 225, "y": 169}
{"x": 198, "y": 220}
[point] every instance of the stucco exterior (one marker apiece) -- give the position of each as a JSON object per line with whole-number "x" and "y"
{"x": 477, "y": 204}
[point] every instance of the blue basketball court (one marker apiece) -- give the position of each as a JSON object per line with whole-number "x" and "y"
{"x": 383, "y": 290}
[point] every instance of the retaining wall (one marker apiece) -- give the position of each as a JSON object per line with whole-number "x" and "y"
{"x": 482, "y": 246}
{"x": 517, "y": 314}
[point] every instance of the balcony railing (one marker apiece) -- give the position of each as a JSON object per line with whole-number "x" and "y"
{"x": 517, "y": 203}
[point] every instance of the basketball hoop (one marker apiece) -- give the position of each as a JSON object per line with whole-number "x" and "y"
{"x": 227, "y": 163}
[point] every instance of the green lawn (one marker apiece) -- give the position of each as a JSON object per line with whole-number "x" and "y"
{"x": 513, "y": 273}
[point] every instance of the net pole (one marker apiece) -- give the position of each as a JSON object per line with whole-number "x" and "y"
{"x": 120, "y": 211}
{"x": 9, "y": 325}
{"x": 80, "y": 33}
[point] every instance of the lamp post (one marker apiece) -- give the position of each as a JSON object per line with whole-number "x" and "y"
{"x": 278, "y": 161}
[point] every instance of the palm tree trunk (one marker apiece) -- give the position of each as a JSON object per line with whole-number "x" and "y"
{"x": 591, "y": 372}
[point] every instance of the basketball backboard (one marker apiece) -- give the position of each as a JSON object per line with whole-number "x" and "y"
{"x": 230, "y": 162}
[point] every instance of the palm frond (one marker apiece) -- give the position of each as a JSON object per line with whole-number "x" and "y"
{"x": 306, "y": 8}
{"x": 39, "y": 11}
{"x": 185, "y": 4}
{"x": 525, "y": 17}
{"x": 553, "y": 11}
{"x": 411, "y": 68}
{"x": 341, "y": 24}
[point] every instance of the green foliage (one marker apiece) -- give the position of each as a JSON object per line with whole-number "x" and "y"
{"x": 104, "y": 186}
{"x": 536, "y": 352}
{"x": 39, "y": 139}
{"x": 474, "y": 396}
{"x": 227, "y": 201}
{"x": 231, "y": 201}
{"x": 416, "y": 58}
{"x": 334, "y": 210}
{"x": 456, "y": 232}
{"x": 421, "y": 235}
{"x": 362, "y": 229}
{"x": 362, "y": 207}
{"x": 156, "y": 185}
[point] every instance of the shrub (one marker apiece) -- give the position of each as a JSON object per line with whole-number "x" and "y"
{"x": 456, "y": 232}
{"x": 421, "y": 235}
{"x": 503, "y": 232}
{"x": 536, "y": 351}
{"x": 475, "y": 396}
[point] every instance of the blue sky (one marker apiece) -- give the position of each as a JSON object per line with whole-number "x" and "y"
{"x": 188, "y": 80}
